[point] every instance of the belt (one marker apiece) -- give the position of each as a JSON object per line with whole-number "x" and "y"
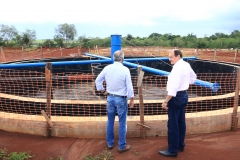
{"x": 114, "y": 95}
{"x": 182, "y": 91}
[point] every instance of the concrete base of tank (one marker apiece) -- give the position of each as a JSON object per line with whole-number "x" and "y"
{"x": 94, "y": 127}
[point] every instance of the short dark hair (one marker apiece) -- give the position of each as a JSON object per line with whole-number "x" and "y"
{"x": 177, "y": 52}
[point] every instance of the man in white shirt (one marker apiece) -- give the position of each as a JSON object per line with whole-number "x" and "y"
{"x": 177, "y": 98}
{"x": 119, "y": 88}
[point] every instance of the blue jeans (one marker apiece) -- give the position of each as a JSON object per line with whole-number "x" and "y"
{"x": 176, "y": 122}
{"x": 119, "y": 105}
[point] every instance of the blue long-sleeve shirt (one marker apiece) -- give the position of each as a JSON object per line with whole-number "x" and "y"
{"x": 118, "y": 80}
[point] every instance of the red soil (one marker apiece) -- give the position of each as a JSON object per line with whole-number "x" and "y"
{"x": 215, "y": 146}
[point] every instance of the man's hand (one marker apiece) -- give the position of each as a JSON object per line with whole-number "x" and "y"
{"x": 164, "y": 105}
{"x": 131, "y": 103}
{"x": 103, "y": 92}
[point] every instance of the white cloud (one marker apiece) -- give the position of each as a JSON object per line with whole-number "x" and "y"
{"x": 111, "y": 12}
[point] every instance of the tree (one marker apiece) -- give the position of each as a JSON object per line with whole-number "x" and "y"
{"x": 48, "y": 43}
{"x": 59, "y": 41}
{"x": 8, "y": 33}
{"x": 129, "y": 37}
{"x": 235, "y": 34}
{"x": 154, "y": 36}
{"x": 28, "y": 36}
{"x": 66, "y": 31}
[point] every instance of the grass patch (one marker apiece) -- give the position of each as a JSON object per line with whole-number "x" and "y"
{"x": 105, "y": 155}
{"x": 15, "y": 155}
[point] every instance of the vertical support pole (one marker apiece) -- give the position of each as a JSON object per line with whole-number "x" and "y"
{"x": 236, "y": 99}
{"x": 235, "y": 57}
{"x": 1, "y": 53}
{"x": 48, "y": 73}
{"x": 61, "y": 51}
{"x": 215, "y": 53}
{"x": 197, "y": 52}
{"x": 80, "y": 53}
{"x": 144, "y": 50}
{"x": 22, "y": 53}
{"x": 141, "y": 106}
{"x": 3, "y": 58}
{"x": 41, "y": 52}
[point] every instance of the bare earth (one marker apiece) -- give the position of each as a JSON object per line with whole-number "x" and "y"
{"x": 214, "y": 146}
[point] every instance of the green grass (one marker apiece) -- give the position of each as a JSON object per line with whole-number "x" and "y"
{"x": 105, "y": 155}
{"x": 15, "y": 155}
{"x": 19, "y": 155}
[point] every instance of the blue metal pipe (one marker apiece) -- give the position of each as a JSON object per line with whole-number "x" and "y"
{"x": 116, "y": 44}
{"x": 155, "y": 59}
{"x": 43, "y": 64}
{"x": 213, "y": 86}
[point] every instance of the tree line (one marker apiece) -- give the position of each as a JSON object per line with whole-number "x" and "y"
{"x": 66, "y": 36}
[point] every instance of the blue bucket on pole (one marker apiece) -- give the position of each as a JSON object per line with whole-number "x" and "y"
{"x": 116, "y": 44}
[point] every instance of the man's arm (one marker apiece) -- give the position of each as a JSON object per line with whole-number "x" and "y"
{"x": 130, "y": 92}
{"x": 99, "y": 81}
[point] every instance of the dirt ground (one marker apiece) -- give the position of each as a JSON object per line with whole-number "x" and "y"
{"x": 214, "y": 146}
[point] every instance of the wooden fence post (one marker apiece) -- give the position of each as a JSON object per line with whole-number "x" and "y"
{"x": 236, "y": 99}
{"x": 22, "y": 53}
{"x": 48, "y": 74}
{"x": 61, "y": 51}
{"x": 80, "y": 50}
{"x": 235, "y": 57}
{"x": 41, "y": 52}
{"x": 215, "y": 53}
{"x": 3, "y": 58}
{"x": 1, "y": 53}
{"x": 141, "y": 106}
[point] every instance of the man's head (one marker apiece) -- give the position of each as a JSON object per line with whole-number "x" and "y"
{"x": 174, "y": 56}
{"x": 118, "y": 56}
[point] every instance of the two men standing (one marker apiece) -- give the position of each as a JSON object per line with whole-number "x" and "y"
{"x": 119, "y": 88}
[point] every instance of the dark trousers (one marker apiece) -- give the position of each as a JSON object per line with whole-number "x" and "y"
{"x": 176, "y": 121}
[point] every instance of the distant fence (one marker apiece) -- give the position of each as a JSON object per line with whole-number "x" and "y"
{"x": 23, "y": 54}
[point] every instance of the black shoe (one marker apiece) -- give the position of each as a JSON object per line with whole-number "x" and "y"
{"x": 181, "y": 149}
{"x": 167, "y": 153}
{"x": 109, "y": 148}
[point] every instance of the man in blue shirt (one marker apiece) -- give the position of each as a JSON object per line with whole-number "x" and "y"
{"x": 177, "y": 98}
{"x": 118, "y": 89}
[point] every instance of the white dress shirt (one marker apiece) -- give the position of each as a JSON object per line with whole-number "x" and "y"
{"x": 118, "y": 80}
{"x": 180, "y": 77}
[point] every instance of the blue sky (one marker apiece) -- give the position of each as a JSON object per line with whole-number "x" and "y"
{"x": 101, "y": 18}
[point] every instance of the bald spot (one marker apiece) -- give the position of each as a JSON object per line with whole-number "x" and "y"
{"x": 117, "y": 53}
